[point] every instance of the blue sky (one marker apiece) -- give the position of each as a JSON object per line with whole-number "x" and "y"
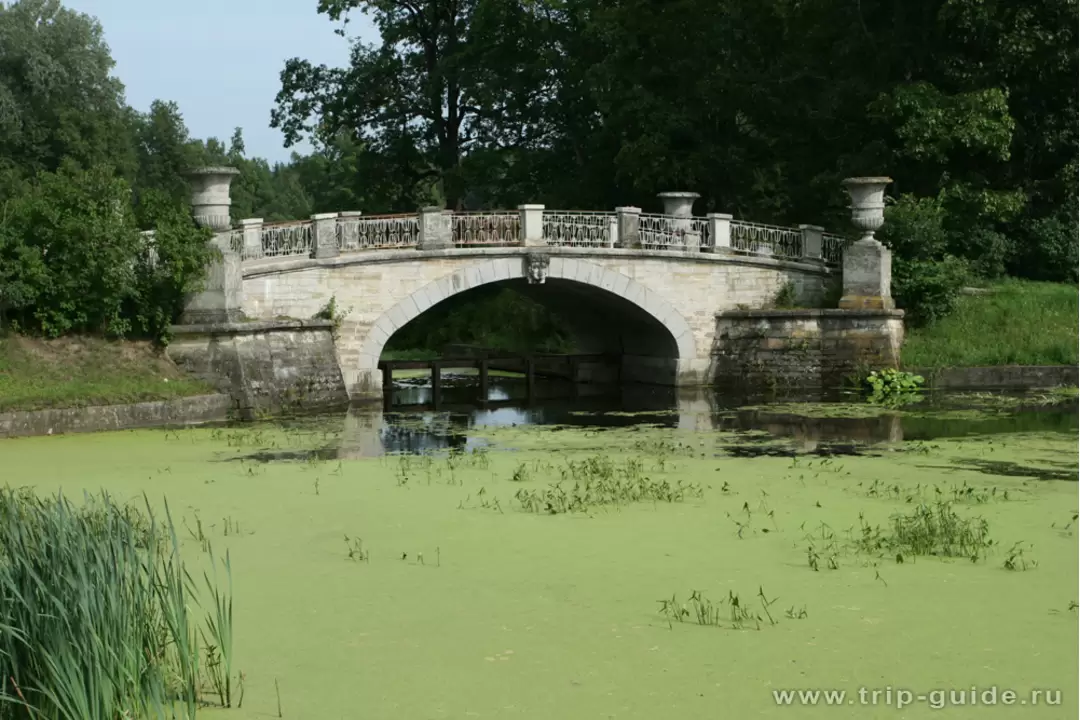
{"x": 219, "y": 60}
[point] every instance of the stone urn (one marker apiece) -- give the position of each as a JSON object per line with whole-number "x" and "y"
{"x": 680, "y": 205}
{"x": 867, "y": 203}
{"x": 867, "y": 264}
{"x": 210, "y": 201}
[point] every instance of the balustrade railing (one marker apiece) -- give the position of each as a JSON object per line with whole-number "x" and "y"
{"x": 286, "y": 239}
{"x": 703, "y": 228}
{"x": 760, "y": 239}
{"x": 667, "y": 232}
{"x": 571, "y": 228}
{"x": 486, "y": 228}
{"x": 717, "y": 233}
{"x": 832, "y": 249}
{"x": 372, "y": 232}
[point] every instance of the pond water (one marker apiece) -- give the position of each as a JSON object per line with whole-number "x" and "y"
{"x": 533, "y": 559}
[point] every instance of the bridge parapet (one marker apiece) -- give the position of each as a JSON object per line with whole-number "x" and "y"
{"x": 331, "y": 234}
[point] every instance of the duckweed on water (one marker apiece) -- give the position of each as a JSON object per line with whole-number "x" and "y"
{"x": 540, "y": 615}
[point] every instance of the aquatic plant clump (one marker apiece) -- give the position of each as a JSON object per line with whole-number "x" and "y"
{"x": 934, "y": 530}
{"x": 96, "y": 614}
{"x": 893, "y": 388}
{"x": 595, "y": 492}
{"x": 731, "y": 611}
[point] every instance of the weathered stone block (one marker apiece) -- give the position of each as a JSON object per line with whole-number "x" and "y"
{"x": 265, "y": 366}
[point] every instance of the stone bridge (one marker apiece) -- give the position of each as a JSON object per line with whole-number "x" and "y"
{"x": 647, "y": 288}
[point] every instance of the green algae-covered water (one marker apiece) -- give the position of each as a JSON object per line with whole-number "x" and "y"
{"x": 512, "y": 566}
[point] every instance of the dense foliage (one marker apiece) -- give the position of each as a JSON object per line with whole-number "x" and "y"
{"x": 762, "y": 106}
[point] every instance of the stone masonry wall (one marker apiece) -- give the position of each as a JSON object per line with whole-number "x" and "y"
{"x": 805, "y": 349}
{"x": 381, "y": 291}
{"x": 269, "y": 367}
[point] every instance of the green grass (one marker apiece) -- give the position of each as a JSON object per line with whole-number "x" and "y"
{"x": 1021, "y": 323}
{"x": 79, "y": 372}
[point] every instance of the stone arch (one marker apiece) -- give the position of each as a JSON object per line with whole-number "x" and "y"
{"x": 512, "y": 268}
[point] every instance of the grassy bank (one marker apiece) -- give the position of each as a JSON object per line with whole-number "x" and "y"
{"x": 79, "y": 372}
{"x": 1019, "y": 323}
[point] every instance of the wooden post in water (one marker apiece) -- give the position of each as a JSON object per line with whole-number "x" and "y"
{"x": 574, "y": 364}
{"x": 388, "y": 385}
{"x": 483, "y": 366}
{"x": 530, "y": 378}
{"x": 436, "y": 382}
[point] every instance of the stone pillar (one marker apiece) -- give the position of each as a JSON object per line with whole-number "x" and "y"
{"x": 532, "y": 225}
{"x": 210, "y": 201}
{"x": 811, "y": 241}
{"x": 222, "y": 295}
{"x": 349, "y": 223}
{"x": 324, "y": 243}
{"x": 251, "y": 230}
{"x": 719, "y": 232}
{"x": 867, "y": 266}
{"x": 680, "y": 205}
{"x": 629, "y": 226}
{"x": 436, "y": 229}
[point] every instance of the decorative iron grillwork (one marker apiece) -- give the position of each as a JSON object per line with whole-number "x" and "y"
{"x": 377, "y": 231}
{"x": 832, "y": 249}
{"x": 486, "y": 228}
{"x": 761, "y": 239}
{"x": 565, "y": 228}
{"x": 284, "y": 239}
{"x": 667, "y": 232}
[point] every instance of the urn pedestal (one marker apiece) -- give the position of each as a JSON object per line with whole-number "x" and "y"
{"x": 867, "y": 264}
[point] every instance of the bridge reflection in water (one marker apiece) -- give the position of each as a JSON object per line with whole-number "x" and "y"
{"x": 410, "y": 422}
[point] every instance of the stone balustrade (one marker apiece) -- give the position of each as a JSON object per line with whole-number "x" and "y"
{"x": 334, "y": 234}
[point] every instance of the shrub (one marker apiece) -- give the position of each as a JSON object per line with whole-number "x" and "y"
{"x": 169, "y": 264}
{"x": 72, "y": 258}
{"x": 926, "y": 279}
{"x": 928, "y": 290}
{"x": 76, "y": 237}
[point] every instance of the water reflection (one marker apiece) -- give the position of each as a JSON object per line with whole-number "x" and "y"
{"x": 410, "y": 422}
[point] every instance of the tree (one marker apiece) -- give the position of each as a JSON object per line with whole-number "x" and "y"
{"x": 57, "y": 99}
{"x": 448, "y": 75}
{"x": 164, "y": 152}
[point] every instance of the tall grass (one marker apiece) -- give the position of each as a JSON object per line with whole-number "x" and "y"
{"x": 1021, "y": 323}
{"x": 95, "y": 620}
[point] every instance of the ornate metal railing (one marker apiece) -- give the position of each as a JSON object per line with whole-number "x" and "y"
{"x": 667, "y": 232}
{"x": 486, "y": 228}
{"x": 372, "y": 232}
{"x": 353, "y": 232}
{"x": 285, "y": 239}
{"x": 760, "y": 239}
{"x": 236, "y": 243}
{"x": 571, "y": 228}
{"x": 703, "y": 229}
{"x": 832, "y": 249}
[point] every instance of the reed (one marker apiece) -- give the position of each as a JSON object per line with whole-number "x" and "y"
{"x": 95, "y": 613}
{"x": 934, "y": 530}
